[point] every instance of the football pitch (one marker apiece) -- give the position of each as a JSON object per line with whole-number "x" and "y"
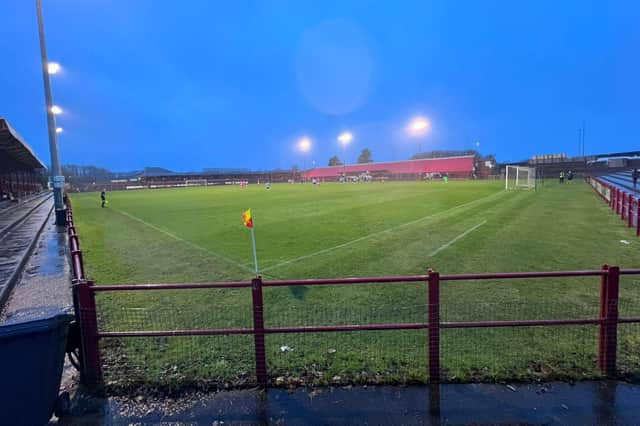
{"x": 334, "y": 230}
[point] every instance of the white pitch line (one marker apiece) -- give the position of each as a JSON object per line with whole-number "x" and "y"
{"x": 459, "y": 237}
{"x": 394, "y": 228}
{"x": 182, "y": 240}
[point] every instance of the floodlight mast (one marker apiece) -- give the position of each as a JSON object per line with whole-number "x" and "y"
{"x": 345, "y": 139}
{"x": 58, "y": 179}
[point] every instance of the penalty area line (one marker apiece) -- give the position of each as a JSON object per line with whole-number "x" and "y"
{"x": 459, "y": 237}
{"x": 182, "y": 240}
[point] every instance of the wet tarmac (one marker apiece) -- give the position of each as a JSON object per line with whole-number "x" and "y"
{"x": 12, "y": 213}
{"x": 44, "y": 287}
{"x": 585, "y": 403}
{"x": 17, "y": 242}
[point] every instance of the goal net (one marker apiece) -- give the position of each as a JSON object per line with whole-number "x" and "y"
{"x": 518, "y": 177}
{"x": 195, "y": 182}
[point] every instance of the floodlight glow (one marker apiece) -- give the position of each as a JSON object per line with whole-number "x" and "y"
{"x": 419, "y": 126}
{"x": 56, "y": 109}
{"x": 345, "y": 138}
{"x": 304, "y": 145}
{"x": 59, "y": 130}
{"x": 53, "y": 67}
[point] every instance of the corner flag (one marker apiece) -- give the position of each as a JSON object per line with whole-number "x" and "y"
{"x": 247, "y": 220}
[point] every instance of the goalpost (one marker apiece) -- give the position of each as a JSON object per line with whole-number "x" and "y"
{"x": 195, "y": 182}
{"x": 519, "y": 177}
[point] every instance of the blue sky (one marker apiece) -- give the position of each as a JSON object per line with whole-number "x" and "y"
{"x": 194, "y": 84}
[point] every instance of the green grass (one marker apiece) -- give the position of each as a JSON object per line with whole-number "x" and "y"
{"x": 196, "y": 235}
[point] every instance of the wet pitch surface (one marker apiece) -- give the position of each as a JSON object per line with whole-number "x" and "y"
{"x": 583, "y": 403}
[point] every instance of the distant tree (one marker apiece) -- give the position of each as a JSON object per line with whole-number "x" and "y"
{"x": 335, "y": 161}
{"x": 365, "y": 156}
{"x": 90, "y": 173}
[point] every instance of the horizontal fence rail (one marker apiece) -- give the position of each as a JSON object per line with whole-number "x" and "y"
{"x": 625, "y": 204}
{"x": 77, "y": 264}
{"x": 607, "y": 322}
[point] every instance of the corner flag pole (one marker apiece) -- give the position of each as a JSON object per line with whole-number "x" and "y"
{"x": 255, "y": 256}
{"x": 247, "y": 220}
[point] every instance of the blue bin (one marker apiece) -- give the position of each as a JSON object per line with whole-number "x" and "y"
{"x": 31, "y": 361}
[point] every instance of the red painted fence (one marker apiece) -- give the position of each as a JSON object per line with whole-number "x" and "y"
{"x": 85, "y": 299}
{"x": 623, "y": 203}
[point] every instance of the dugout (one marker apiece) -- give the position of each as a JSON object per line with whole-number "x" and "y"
{"x": 21, "y": 172}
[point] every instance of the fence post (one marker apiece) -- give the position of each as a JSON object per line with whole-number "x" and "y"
{"x": 603, "y": 315}
{"x": 76, "y": 311}
{"x": 630, "y": 212}
{"x": 638, "y": 216}
{"x": 258, "y": 331}
{"x": 92, "y": 367}
{"x": 610, "y": 195}
{"x": 620, "y": 201}
{"x": 434, "y": 326}
{"x": 611, "y": 321}
{"x": 613, "y": 198}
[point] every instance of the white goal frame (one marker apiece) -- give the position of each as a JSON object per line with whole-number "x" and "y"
{"x": 522, "y": 177}
{"x": 195, "y": 182}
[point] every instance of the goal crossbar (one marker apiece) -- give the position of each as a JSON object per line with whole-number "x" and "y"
{"x": 519, "y": 177}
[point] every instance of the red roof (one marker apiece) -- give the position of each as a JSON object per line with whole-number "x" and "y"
{"x": 431, "y": 165}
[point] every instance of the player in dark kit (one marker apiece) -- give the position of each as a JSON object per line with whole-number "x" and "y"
{"x": 635, "y": 175}
{"x": 103, "y": 197}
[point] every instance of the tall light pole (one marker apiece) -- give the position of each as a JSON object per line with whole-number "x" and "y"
{"x": 304, "y": 145}
{"x": 58, "y": 179}
{"x": 345, "y": 139}
{"x": 417, "y": 128}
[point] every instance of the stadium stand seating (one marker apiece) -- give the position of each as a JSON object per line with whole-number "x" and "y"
{"x": 622, "y": 180}
{"x": 21, "y": 172}
{"x": 453, "y": 166}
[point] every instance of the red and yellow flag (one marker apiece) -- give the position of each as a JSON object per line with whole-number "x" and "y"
{"x": 247, "y": 220}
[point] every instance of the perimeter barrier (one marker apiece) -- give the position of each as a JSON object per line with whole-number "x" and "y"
{"x": 625, "y": 204}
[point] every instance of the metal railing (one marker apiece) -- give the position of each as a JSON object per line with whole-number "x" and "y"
{"x": 77, "y": 264}
{"x": 623, "y": 203}
{"x": 607, "y": 321}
